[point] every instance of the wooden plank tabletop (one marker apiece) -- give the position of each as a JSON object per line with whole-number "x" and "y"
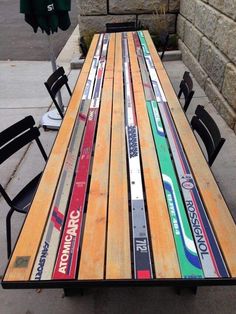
{"x": 107, "y": 249}
{"x": 118, "y": 245}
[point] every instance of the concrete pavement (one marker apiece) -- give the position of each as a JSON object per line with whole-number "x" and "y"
{"x": 22, "y": 93}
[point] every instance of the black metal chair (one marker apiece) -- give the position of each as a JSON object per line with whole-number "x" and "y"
{"x": 83, "y": 47}
{"x": 54, "y": 83}
{"x": 13, "y": 139}
{"x": 164, "y": 38}
{"x": 208, "y": 131}
{"x": 120, "y": 27}
{"x": 186, "y": 88}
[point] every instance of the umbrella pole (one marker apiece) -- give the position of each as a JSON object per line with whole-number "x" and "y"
{"x": 54, "y": 67}
{"x": 52, "y": 118}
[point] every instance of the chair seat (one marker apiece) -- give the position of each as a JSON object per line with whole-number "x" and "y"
{"x": 23, "y": 199}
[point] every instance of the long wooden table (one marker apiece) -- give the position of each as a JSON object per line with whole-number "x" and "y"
{"x": 126, "y": 197}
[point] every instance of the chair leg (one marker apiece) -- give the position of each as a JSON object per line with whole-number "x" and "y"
{"x": 178, "y": 290}
{"x": 162, "y": 55}
{"x": 179, "y": 94}
{"x": 194, "y": 290}
{"x": 68, "y": 292}
{"x": 8, "y": 229}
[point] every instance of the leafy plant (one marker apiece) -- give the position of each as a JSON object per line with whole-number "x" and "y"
{"x": 160, "y": 20}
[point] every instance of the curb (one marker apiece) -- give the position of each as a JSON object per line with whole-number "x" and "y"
{"x": 76, "y": 63}
{"x": 71, "y": 49}
{"x": 173, "y": 55}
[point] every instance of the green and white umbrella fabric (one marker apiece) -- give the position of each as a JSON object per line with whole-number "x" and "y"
{"x": 49, "y": 15}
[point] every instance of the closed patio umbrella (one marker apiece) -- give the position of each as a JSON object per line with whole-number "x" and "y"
{"x": 48, "y": 15}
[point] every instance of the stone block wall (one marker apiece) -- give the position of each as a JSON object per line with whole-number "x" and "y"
{"x": 94, "y": 14}
{"x": 207, "y": 40}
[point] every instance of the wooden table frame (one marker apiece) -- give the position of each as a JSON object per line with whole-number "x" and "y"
{"x": 102, "y": 226}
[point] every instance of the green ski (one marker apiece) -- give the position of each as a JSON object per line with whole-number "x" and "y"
{"x": 190, "y": 265}
{"x": 189, "y": 262}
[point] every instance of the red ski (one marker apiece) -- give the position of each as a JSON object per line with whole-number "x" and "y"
{"x": 67, "y": 257}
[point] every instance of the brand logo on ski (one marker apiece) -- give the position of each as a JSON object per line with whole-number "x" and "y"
{"x": 187, "y": 184}
{"x": 197, "y": 230}
{"x": 42, "y": 260}
{"x": 69, "y": 240}
{"x": 141, "y": 245}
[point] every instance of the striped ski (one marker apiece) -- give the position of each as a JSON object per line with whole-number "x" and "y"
{"x": 45, "y": 259}
{"x": 67, "y": 257}
{"x": 190, "y": 265}
{"x": 141, "y": 249}
{"x": 209, "y": 252}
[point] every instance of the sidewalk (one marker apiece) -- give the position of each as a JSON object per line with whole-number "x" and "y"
{"x": 22, "y": 93}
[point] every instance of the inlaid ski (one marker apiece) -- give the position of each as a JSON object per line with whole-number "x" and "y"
{"x": 67, "y": 257}
{"x": 46, "y": 257}
{"x": 141, "y": 249}
{"x": 190, "y": 265}
{"x": 209, "y": 252}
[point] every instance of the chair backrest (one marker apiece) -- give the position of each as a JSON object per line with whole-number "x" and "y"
{"x": 120, "y": 27}
{"x": 17, "y": 136}
{"x": 54, "y": 83}
{"x": 83, "y": 46}
{"x": 186, "y": 88}
{"x": 187, "y": 79}
{"x": 164, "y": 38}
{"x": 209, "y": 132}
